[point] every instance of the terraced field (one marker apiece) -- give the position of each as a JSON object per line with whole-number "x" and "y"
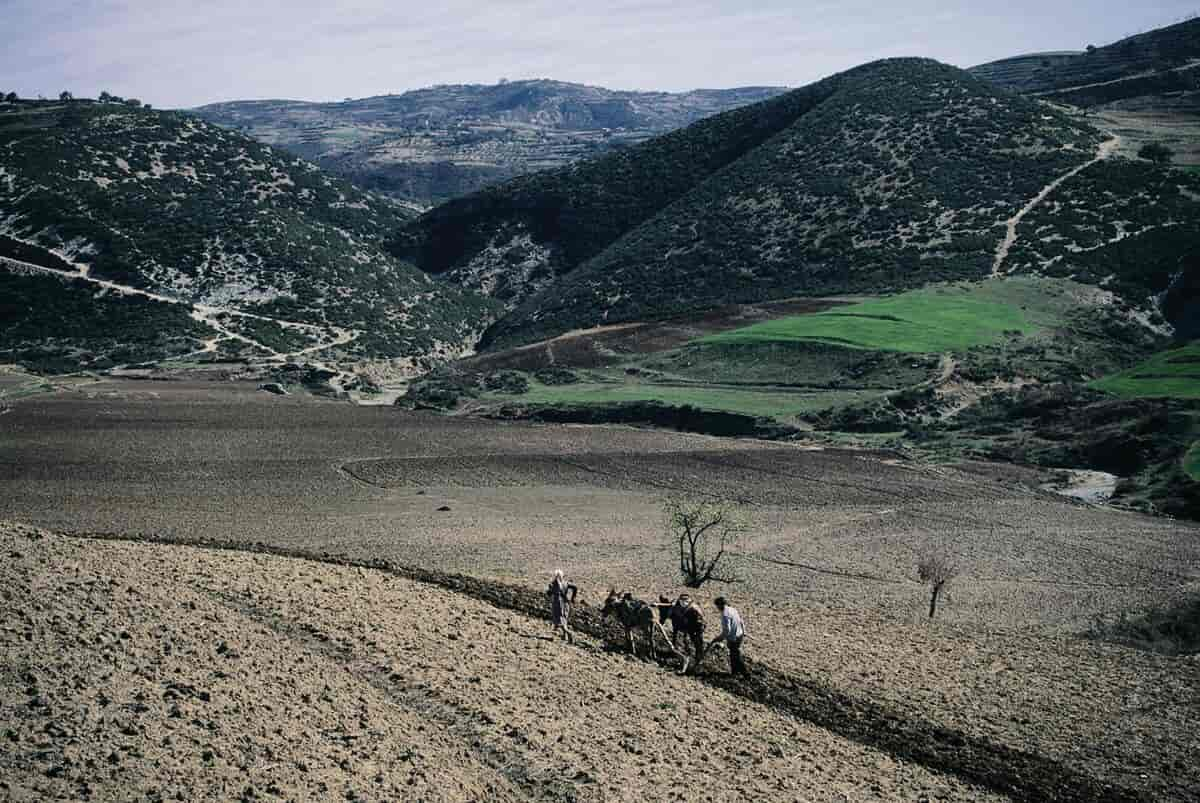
{"x": 1000, "y": 691}
{"x": 1169, "y": 374}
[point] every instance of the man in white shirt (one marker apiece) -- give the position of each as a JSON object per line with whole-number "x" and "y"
{"x": 733, "y": 630}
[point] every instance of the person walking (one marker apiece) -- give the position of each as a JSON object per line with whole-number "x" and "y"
{"x": 733, "y": 630}
{"x": 561, "y": 595}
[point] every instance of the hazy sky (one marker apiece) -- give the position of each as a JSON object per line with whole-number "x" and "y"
{"x": 182, "y": 52}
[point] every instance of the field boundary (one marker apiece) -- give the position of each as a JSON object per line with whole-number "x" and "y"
{"x": 1018, "y": 774}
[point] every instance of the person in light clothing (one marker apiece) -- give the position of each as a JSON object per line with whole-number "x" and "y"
{"x": 733, "y": 630}
{"x": 561, "y": 595}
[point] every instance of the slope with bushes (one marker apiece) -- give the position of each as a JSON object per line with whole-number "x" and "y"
{"x": 890, "y": 176}
{"x": 166, "y": 203}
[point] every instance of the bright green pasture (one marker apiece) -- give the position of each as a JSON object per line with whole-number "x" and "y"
{"x": 923, "y": 321}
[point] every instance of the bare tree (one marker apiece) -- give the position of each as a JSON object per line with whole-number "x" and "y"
{"x": 704, "y": 532}
{"x": 935, "y": 568}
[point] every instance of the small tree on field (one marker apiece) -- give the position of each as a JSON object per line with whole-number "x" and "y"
{"x": 704, "y": 532}
{"x": 935, "y": 568}
{"x": 11, "y": 97}
{"x": 65, "y": 96}
{"x": 1156, "y": 152}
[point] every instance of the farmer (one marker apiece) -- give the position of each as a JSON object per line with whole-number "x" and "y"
{"x": 732, "y": 633}
{"x": 687, "y": 619}
{"x": 561, "y": 595}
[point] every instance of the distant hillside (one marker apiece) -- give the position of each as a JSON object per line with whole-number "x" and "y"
{"x": 430, "y": 145}
{"x": 178, "y": 210}
{"x": 885, "y": 177}
{"x": 1163, "y": 60}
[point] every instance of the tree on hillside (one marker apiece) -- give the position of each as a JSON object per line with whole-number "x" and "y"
{"x": 104, "y": 97}
{"x": 704, "y": 532}
{"x": 935, "y": 568}
{"x": 1156, "y": 152}
{"x": 11, "y": 97}
{"x": 65, "y": 96}
{"x": 134, "y": 102}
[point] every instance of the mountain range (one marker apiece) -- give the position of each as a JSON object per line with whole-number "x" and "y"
{"x": 433, "y": 144}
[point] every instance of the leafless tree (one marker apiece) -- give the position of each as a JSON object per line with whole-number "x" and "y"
{"x": 935, "y": 568}
{"x": 704, "y": 532}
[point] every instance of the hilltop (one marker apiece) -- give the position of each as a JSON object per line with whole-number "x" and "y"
{"x": 430, "y": 145}
{"x": 235, "y": 248}
{"x": 1160, "y": 60}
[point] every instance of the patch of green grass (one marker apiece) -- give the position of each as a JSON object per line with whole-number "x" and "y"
{"x": 1191, "y": 461}
{"x": 923, "y": 321}
{"x": 1168, "y": 374}
{"x": 771, "y": 403}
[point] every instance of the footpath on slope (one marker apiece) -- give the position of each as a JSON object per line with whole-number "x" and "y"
{"x": 1104, "y": 152}
{"x": 1019, "y": 774}
{"x": 204, "y": 313}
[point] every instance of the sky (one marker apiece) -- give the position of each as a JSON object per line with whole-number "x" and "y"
{"x": 182, "y": 53}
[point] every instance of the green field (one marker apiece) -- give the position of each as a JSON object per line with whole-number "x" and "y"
{"x": 1191, "y": 461}
{"x": 1168, "y": 374}
{"x": 773, "y": 403}
{"x": 924, "y": 321}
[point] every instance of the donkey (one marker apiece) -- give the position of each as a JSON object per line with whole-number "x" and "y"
{"x": 633, "y": 614}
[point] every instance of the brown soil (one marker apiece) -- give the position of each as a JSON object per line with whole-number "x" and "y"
{"x": 607, "y": 345}
{"x": 169, "y": 672}
{"x": 828, "y": 587}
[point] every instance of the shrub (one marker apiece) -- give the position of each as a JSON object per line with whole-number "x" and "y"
{"x": 704, "y": 532}
{"x": 935, "y": 568}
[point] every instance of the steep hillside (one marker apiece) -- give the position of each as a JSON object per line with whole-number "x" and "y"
{"x": 511, "y": 240}
{"x": 1104, "y": 70}
{"x": 430, "y": 145}
{"x": 156, "y": 207}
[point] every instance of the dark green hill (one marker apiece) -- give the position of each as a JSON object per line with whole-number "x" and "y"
{"x": 167, "y": 203}
{"x": 886, "y": 177}
{"x": 512, "y": 239}
{"x": 899, "y": 178}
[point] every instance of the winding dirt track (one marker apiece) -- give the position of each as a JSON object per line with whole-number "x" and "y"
{"x": 204, "y": 313}
{"x": 1105, "y": 151}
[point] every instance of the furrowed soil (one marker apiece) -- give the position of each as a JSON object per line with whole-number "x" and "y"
{"x": 1000, "y": 693}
